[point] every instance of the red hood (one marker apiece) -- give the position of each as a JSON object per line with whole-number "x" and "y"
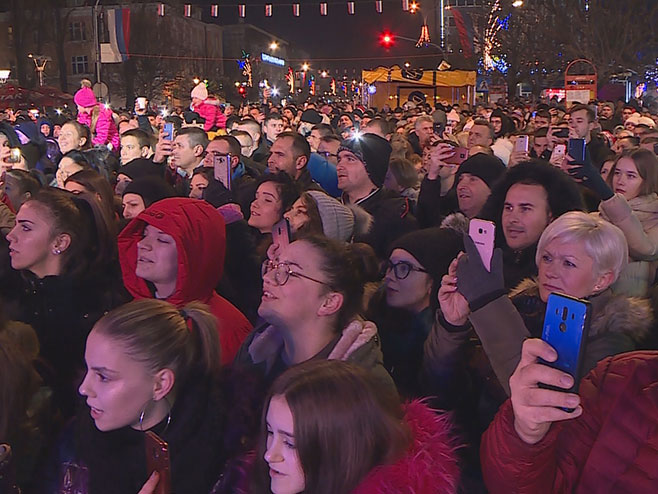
{"x": 200, "y": 236}
{"x": 429, "y": 465}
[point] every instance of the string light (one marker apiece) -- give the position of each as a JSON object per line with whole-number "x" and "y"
{"x": 490, "y": 41}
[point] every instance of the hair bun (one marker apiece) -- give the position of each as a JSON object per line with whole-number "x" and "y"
{"x": 363, "y": 262}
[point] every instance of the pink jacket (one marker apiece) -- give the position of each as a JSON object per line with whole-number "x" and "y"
{"x": 106, "y": 129}
{"x": 210, "y": 110}
{"x": 428, "y": 467}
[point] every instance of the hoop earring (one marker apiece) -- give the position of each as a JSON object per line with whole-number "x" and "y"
{"x": 143, "y": 413}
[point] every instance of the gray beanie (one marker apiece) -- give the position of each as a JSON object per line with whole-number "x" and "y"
{"x": 337, "y": 219}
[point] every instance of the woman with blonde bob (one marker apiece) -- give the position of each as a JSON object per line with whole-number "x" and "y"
{"x": 152, "y": 367}
{"x": 577, "y": 255}
{"x": 330, "y": 427}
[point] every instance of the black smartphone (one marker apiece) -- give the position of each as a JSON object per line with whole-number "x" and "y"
{"x": 157, "y": 459}
{"x": 566, "y": 325}
{"x": 438, "y": 128}
{"x": 576, "y": 149}
{"x": 281, "y": 233}
{"x": 562, "y": 133}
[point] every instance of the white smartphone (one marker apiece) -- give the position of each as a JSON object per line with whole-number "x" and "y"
{"x": 483, "y": 234}
{"x": 521, "y": 144}
{"x": 222, "y": 166}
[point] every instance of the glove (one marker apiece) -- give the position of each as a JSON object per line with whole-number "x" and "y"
{"x": 474, "y": 282}
{"x": 591, "y": 177}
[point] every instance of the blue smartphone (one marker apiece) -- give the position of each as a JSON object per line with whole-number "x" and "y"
{"x": 566, "y": 325}
{"x": 168, "y": 131}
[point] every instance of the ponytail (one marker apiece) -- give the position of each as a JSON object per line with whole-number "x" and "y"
{"x": 162, "y": 337}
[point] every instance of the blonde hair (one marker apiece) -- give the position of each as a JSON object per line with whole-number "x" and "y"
{"x": 603, "y": 242}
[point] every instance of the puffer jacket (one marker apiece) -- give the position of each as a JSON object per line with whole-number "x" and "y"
{"x": 106, "y": 131}
{"x": 209, "y": 109}
{"x": 638, "y": 219}
{"x": 200, "y": 236}
{"x": 611, "y": 448}
{"x": 430, "y": 464}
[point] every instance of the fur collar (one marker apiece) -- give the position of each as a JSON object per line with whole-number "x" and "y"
{"x": 611, "y": 313}
{"x": 430, "y": 464}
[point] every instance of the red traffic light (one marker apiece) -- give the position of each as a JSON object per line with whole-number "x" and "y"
{"x": 242, "y": 91}
{"x": 386, "y": 39}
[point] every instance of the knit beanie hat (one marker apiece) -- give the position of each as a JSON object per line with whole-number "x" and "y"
{"x": 141, "y": 167}
{"x": 150, "y": 189}
{"x": 85, "y": 97}
{"x": 311, "y": 116}
{"x": 485, "y": 167}
{"x": 337, "y": 219}
{"x": 373, "y": 151}
{"x": 433, "y": 248}
{"x": 200, "y": 91}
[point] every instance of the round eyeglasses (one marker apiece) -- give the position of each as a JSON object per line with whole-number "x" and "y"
{"x": 402, "y": 269}
{"x": 283, "y": 272}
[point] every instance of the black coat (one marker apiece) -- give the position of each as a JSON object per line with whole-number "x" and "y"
{"x": 63, "y": 311}
{"x": 392, "y": 218}
{"x": 212, "y": 424}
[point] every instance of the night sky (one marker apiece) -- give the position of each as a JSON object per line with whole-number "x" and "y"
{"x": 340, "y": 36}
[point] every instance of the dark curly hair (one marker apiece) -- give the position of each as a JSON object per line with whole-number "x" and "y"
{"x": 563, "y": 193}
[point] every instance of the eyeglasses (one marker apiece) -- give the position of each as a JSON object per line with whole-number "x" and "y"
{"x": 402, "y": 269}
{"x": 326, "y": 154}
{"x": 282, "y": 273}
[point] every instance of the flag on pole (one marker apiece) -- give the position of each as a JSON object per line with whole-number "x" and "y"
{"x": 268, "y": 10}
{"x": 323, "y": 8}
{"x": 188, "y": 10}
{"x": 242, "y": 10}
{"x": 214, "y": 10}
{"x": 295, "y": 9}
{"x": 350, "y": 8}
{"x": 161, "y": 9}
{"x": 405, "y": 5}
{"x": 465, "y": 29}
{"x": 379, "y": 6}
{"x": 118, "y": 25}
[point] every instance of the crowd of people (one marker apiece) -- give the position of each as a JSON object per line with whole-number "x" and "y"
{"x": 288, "y": 296}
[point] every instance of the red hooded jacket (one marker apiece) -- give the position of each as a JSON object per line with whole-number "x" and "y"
{"x": 429, "y": 465}
{"x": 200, "y": 236}
{"x": 611, "y": 448}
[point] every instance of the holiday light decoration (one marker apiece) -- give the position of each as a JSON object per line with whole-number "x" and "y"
{"x": 424, "y": 39}
{"x": 290, "y": 80}
{"x": 490, "y": 42}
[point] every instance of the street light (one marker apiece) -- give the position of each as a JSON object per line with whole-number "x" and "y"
{"x": 517, "y": 3}
{"x": 274, "y": 45}
{"x": 413, "y": 7}
{"x": 323, "y": 73}
{"x": 305, "y": 67}
{"x": 4, "y": 75}
{"x": 407, "y": 65}
{"x": 196, "y": 80}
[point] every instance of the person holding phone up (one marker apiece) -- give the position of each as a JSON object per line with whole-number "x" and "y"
{"x": 607, "y": 444}
{"x": 577, "y": 255}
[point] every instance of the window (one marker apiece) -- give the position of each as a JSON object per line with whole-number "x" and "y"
{"x": 77, "y": 31}
{"x": 79, "y": 65}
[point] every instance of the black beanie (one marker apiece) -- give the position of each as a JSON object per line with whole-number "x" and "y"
{"x": 311, "y": 116}
{"x": 484, "y": 166}
{"x": 434, "y": 248}
{"x": 150, "y": 189}
{"x": 373, "y": 151}
{"x": 141, "y": 167}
